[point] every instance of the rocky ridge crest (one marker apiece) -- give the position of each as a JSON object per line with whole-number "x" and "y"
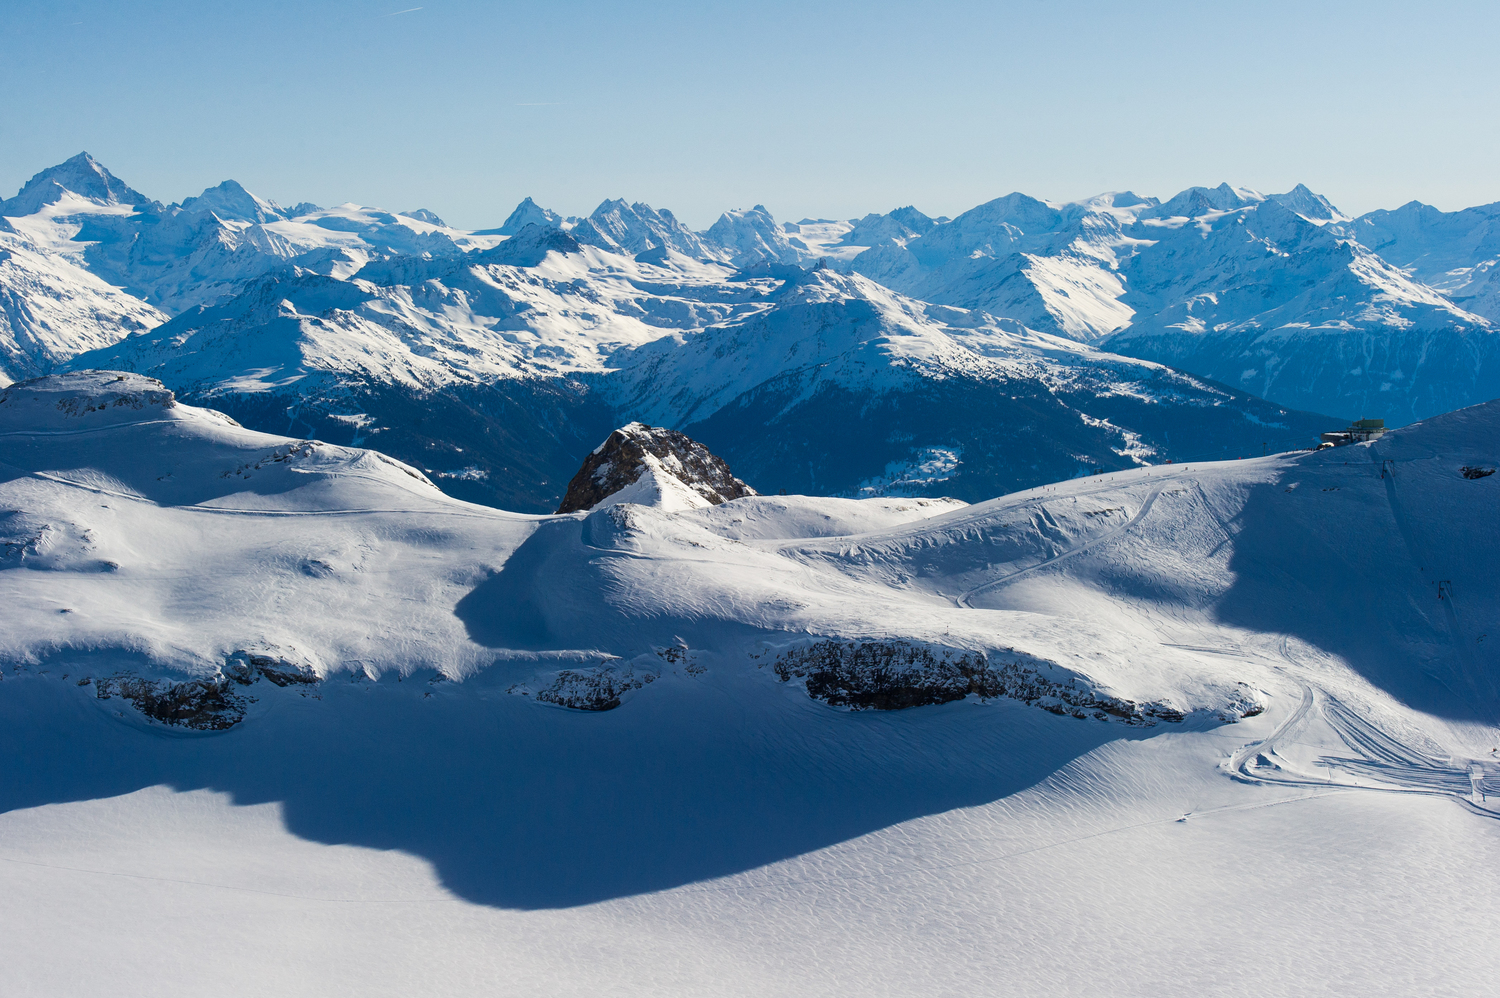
{"x": 677, "y": 465}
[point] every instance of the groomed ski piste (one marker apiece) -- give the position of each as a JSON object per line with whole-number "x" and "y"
{"x": 279, "y": 717}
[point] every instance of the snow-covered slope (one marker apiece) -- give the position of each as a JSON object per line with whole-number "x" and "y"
{"x": 52, "y": 307}
{"x": 723, "y": 828}
{"x": 843, "y": 387}
{"x": 1298, "y": 314}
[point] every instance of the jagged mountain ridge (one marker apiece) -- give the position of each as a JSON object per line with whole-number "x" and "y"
{"x": 335, "y": 320}
{"x": 1269, "y": 294}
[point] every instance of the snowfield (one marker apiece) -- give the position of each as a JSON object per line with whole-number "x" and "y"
{"x": 279, "y": 717}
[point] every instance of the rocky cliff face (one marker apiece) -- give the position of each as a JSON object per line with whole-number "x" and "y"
{"x": 652, "y": 465}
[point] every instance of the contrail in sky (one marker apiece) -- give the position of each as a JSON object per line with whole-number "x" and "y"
{"x": 406, "y": 11}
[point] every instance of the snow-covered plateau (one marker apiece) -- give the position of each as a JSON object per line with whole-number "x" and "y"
{"x": 281, "y": 717}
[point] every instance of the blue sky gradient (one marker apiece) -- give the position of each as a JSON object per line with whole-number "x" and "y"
{"x": 823, "y": 109}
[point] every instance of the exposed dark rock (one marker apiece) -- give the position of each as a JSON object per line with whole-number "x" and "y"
{"x": 201, "y": 704}
{"x": 1473, "y": 474}
{"x": 887, "y": 675}
{"x": 245, "y": 667}
{"x": 592, "y": 689}
{"x": 894, "y": 675}
{"x": 212, "y": 704}
{"x": 621, "y": 460}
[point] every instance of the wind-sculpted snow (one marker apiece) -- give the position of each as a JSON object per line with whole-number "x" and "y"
{"x": 647, "y": 730}
{"x": 553, "y": 587}
{"x": 114, "y": 467}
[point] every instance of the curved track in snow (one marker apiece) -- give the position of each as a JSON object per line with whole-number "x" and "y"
{"x": 963, "y": 599}
{"x": 1374, "y": 759}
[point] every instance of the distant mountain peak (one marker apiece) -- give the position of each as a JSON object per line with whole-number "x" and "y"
{"x": 528, "y": 247}
{"x": 423, "y": 215}
{"x": 528, "y": 212}
{"x": 752, "y": 237}
{"x": 901, "y": 223}
{"x": 1197, "y": 201}
{"x": 82, "y": 175}
{"x": 231, "y": 202}
{"x": 633, "y": 228}
{"x": 1311, "y": 206}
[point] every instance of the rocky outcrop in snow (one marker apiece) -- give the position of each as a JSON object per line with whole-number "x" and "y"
{"x": 653, "y": 466}
{"x": 104, "y": 397}
{"x": 894, "y": 675}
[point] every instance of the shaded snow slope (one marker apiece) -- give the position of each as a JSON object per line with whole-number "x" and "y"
{"x": 720, "y": 830}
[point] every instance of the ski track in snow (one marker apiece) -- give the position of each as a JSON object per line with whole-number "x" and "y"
{"x": 1388, "y": 764}
{"x": 963, "y": 600}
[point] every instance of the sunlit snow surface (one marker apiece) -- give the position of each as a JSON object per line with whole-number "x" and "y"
{"x": 417, "y": 824}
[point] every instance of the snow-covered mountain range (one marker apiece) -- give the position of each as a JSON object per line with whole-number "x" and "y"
{"x": 778, "y": 745}
{"x": 1269, "y": 294}
{"x": 987, "y": 352}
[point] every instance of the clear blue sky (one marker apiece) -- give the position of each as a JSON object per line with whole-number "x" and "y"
{"x": 822, "y": 109}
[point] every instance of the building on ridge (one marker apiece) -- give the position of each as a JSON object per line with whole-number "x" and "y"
{"x": 1358, "y": 432}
